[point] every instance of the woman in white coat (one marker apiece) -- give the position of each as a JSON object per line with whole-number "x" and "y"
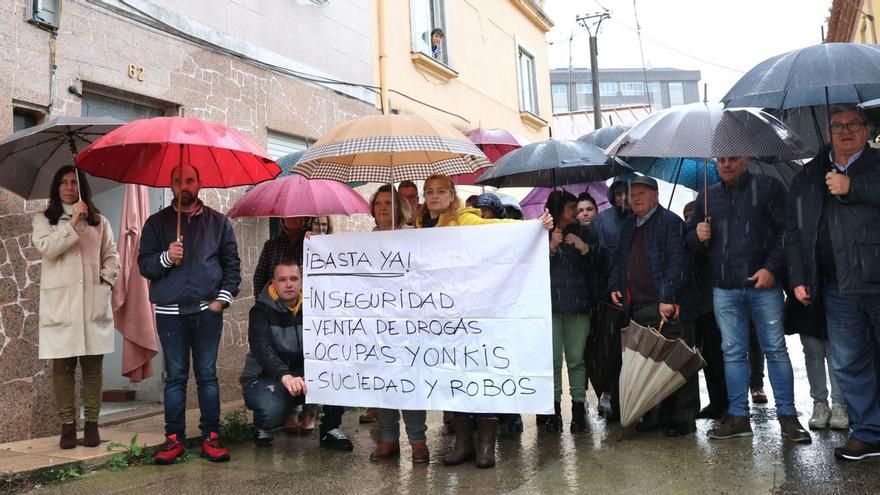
{"x": 79, "y": 267}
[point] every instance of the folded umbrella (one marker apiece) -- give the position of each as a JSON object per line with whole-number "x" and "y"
{"x": 295, "y": 196}
{"x": 653, "y": 368}
{"x": 30, "y": 157}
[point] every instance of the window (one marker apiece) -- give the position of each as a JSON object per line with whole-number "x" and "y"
{"x": 608, "y": 89}
{"x": 636, "y": 88}
{"x": 656, "y": 96}
{"x": 23, "y": 118}
{"x": 560, "y": 97}
{"x": 278, "y": 144}
{"x": 676, "y": 93}
{"x": 528, "y": 92}
{"x": 583, "y": 95}
{"x": 425, "y": 17}
{"x": 44, "y": 12}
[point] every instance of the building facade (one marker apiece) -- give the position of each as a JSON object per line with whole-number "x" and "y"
{"x": 490, "y": 69}
{"x": 221, "y": 60}
{"x": 573, "y": 89}
{"x": 853, "y": 21}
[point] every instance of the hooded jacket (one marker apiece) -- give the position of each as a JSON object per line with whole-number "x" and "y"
{"x": 275, "y": 339}
{"x": 853, "y": 221}
{"x": 608, "y": 222}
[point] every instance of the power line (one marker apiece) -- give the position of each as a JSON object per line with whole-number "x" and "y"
{"x": 641, "y": 51}
{"x": 676, "y": 50}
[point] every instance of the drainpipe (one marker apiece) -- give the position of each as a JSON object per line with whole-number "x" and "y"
{"x": 53, "y": 72}
{"x": 383, "y": 57}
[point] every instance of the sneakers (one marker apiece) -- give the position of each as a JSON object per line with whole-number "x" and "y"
{"x": 263, "y": 438}
{"x": 821, "y": 416}
{"x": 171, "y": 450}
{"x": 335, "y": 439}
{"x": 731, "y": 427}
{"x": 856, "y": 450}
{"x": 212, "y": 450}
{"x": 758, "y": 396}
{"x": 839, "y": 417}
{"x": 792, "y": 429}
{"x": 711, "y": 412}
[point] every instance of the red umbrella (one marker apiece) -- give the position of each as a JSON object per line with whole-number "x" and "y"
{"x": 146, "y": 151}
{"x": 296, "y": 196}
{"x": 495, "y": 143}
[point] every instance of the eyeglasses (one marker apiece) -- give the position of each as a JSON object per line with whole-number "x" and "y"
{"x": 853, "y": 126}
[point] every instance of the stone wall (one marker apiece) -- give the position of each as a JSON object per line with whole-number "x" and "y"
{"x": 94, "y": 48}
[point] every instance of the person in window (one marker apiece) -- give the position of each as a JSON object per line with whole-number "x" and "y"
{"x": 79, "y": 266}
{"x": 437, "y": 43}
{"x": 442, "y": 208}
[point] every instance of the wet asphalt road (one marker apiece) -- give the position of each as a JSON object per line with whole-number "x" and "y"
{"x": 593, "y": 462}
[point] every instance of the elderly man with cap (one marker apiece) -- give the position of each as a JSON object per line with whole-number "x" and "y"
{"x": 742, "y": 234}
{"x": 832, "y": 243}
{"x": 652, "y": 279}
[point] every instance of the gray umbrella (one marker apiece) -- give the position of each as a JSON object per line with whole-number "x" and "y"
{"x": 707, "y": 130}
{"x": 799, "y": 86}
{"x": 29, "y": 158}
{"x": 603, "y": 137}
{"x": 551, "y": 163}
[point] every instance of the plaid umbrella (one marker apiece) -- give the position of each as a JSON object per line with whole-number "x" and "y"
{"x": 653, "y": 368}
{"x": 390, "y": 148}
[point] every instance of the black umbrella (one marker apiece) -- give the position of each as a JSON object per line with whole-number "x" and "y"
{"x": 603, "y": 137}
{"x": 551, "y": 163}
{"x": 800, "y": 85}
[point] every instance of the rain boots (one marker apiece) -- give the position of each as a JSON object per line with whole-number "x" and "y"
{"x": 463, "y": 451}
{"x": 91, "y": 437}
{"x": 578, "y": 417}
{"x": 485, "y": 455}
{"x": 68, "y": 436}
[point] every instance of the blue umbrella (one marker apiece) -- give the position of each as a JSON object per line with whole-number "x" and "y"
{"x": 687, "y": 172}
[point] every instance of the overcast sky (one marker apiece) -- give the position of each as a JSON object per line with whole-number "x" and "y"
{"x": 722, "y": 39}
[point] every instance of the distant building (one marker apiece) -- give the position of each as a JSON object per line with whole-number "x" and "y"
{"x": 852, "y": 21}
{"x": 572, "y": 90}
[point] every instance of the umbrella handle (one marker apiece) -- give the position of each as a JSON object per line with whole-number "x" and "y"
{"x": 660, "y": 328}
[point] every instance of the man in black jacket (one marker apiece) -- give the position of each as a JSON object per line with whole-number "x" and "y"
{"x": 832, "y": 242}
{"x": 272, "y": 379}
{"x": 190, "y": 291}
{"x": 651, "y": 277}
{"x": 742, "y": 234}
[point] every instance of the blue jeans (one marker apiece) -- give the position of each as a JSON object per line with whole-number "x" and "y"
{"x": 181, "y": 335}
{"x": 733, "y": 309}
{"x": 854, "y": 334}
{"x": 270, "y": 402}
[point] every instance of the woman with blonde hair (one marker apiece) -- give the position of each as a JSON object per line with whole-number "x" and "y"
{"x": 79, "y": 266}
{"x": 442, "y": 208}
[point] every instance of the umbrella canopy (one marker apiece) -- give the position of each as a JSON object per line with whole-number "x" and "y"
{"x": 295, "y": 196}
{"x": 552, "y": 163}
{"x": 494, "y": 143}
{"x": 146, "y": 151}
{"x": 30, "y": 157}
{"x": 533, "y": 203}
{"x": 653, "y": 368}
{"x": 604, "y": 136}
{"x": 706, "y": 130}
{"x": 689, "y": 172}
{"x": 390, "y": 148}
{"x": 827, "y": 73}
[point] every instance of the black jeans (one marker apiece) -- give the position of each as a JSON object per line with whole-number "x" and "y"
{"x": 708, "y": 340}
{"x": 332, "y": 418}
{"x": 270, "y": 402}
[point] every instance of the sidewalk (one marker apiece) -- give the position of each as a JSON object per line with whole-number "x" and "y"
{"x": 42, "y": 459}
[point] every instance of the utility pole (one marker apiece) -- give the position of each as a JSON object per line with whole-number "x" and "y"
{"x": 592, "y": 23}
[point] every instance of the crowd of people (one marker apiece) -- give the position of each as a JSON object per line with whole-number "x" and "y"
{"x": 716, "y": 279}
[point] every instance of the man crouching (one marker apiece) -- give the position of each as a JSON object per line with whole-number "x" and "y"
{"x": 272, "y": 379}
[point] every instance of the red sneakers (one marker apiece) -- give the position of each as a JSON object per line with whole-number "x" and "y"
{"x": 171, "y": 450}
{"x": 212, "y": 450}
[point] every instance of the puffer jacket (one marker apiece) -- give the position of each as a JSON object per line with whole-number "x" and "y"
{"x": 464, "y": 216}
{"x": 748, "y": 222}
{"x": 276, "y": 340}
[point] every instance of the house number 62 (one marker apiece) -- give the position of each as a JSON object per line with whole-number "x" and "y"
{"x": 136, "y": 72}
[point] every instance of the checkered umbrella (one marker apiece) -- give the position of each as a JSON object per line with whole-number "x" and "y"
{"x": 390, "y": 148}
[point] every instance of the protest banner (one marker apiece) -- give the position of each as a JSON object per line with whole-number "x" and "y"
{"x": 455, "y": 319}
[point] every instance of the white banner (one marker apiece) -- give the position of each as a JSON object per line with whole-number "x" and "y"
{"x": 453, "y": 318}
